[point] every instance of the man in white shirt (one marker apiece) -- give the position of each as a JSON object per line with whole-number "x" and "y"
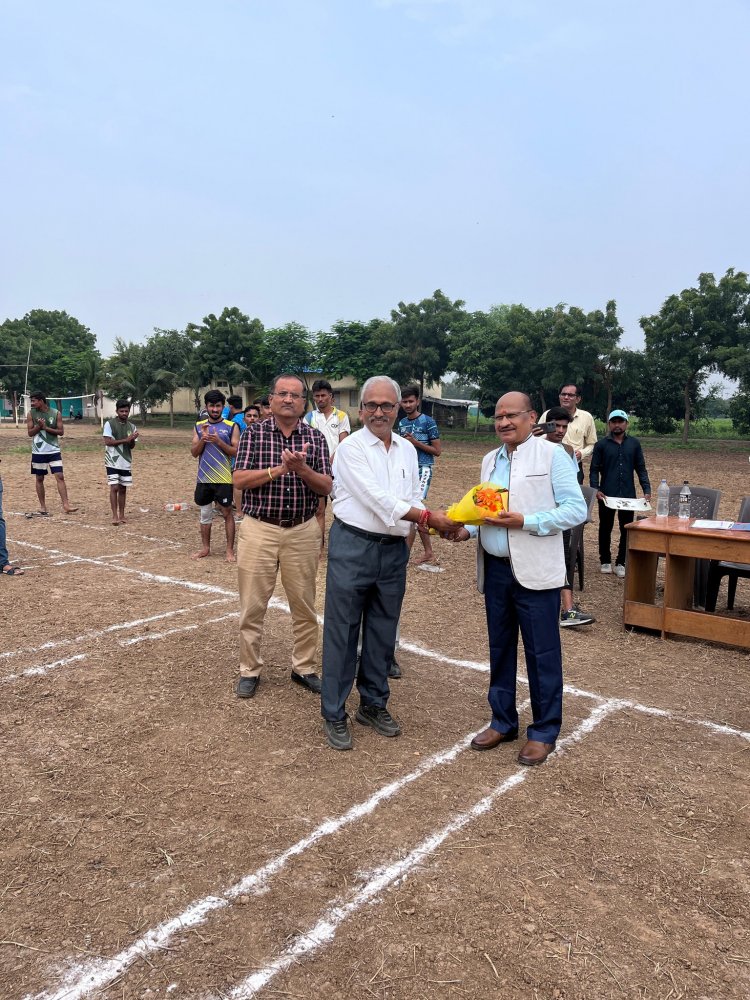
{"x": 334, "y": 426}
{"x": 376, "y": 499}
{"x": 581, "y": 433}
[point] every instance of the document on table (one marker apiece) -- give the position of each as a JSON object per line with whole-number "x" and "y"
{"x": 721, "y": 525}
{"x": 626, "y": 503}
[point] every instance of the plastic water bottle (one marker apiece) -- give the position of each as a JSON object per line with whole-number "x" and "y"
{"x": 684, "y": 508}
{"x": 662, "y": 499}
{"x": 176, "y": 506}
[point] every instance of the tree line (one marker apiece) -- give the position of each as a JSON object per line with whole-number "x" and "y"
{"x": 699, "y": 331}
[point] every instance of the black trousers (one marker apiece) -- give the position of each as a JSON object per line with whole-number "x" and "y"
{"x": 365, "y": 585}
{"x": 606, "y": 524}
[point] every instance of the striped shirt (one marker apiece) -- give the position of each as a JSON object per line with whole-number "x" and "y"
{"x": 288, "y": 496}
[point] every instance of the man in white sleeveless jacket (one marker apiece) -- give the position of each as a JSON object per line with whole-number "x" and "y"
{"x": 520, "y": 570}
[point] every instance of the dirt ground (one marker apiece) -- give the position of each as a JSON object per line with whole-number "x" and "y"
{"x": 162, "y": 838}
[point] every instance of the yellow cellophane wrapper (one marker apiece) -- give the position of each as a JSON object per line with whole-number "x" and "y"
{"x": 485, "y": 500}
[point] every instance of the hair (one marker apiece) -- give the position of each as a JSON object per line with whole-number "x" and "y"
{"x": 38, "y": 395}
{"x": 558, "y": 412}
{"x": 322, "y": 385}
{"x": 278, "y": 378}
{"x": 264, "y": 401}
{"x": 122, "y": 402}
{"x": 252, "y": 406}
{"x": 235, "y": 402}
{"x": 214, "y": 396}
{"x": 379, "y": 378}
{"x": 411, "y": 390}
{"x": 575, "y": 385}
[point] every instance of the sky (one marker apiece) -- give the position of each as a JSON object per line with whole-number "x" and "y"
{"x": 316, "y": 160}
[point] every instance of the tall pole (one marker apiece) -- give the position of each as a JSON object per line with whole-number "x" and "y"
{"x": 26, "y": 379}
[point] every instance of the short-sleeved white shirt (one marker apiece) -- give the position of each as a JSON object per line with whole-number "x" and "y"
{"x": 330, "y": 427}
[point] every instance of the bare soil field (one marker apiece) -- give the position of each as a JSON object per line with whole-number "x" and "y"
{"x": 161, "y": 838}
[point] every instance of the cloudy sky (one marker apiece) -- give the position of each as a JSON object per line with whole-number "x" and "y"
{"x": 313, "y": 160}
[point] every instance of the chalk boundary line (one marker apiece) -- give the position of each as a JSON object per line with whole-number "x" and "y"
{"x": 324, "y": 930}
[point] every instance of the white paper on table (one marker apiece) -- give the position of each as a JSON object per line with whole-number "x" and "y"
{"x": 724, "y": 525}
{"x": 626, "y": 503}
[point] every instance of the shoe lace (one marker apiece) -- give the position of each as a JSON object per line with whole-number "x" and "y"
{"x": 339, "y": 727}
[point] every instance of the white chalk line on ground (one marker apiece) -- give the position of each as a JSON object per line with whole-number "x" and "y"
{"x": 155, "y": 636}
{"x": 202, "y": 588}
{"x": 85, "y": 978}
{"x": 98, "y": 527}
{"x": 42, "y": 669}
{"x": 482, "y": 667}
{"x": 324, "y": 930}
{"x": 98, "y": 633}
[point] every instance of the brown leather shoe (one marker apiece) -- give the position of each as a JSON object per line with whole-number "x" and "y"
{"x": 535, "y": 753}
{"x": 488, "y": 739}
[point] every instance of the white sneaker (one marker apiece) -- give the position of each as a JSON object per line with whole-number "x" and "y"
{"x": 619, "y": 571}
{"x": 605, "y": 568}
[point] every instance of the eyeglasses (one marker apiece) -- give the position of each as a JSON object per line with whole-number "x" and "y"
{"x": 511, "y": 416}
{"x": 371, "y": 407}
{"x": 568, "y": 395}
{"x": 289, "y": 395}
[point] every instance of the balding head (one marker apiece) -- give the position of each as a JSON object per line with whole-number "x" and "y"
{"x": 514, "y": 418}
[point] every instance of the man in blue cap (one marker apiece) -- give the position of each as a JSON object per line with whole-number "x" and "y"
{"x": 615, "y": 462}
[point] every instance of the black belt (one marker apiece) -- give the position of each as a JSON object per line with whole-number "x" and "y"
{"x": 371, "y": 536}
{"x": 282, "y": 522}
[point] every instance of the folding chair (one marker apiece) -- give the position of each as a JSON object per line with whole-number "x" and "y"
{"x": 718, "y": 569}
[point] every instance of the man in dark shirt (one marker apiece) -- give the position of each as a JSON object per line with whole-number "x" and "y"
{"x": 616, "y": 459}
{"x": 282, "y": 467}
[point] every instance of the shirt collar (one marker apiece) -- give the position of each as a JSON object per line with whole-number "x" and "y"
{"x": 373, "y": 439}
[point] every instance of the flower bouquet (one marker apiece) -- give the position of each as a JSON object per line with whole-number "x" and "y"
{"x": 485, "y": 500}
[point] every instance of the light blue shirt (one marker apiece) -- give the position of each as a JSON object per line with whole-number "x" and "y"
{"x": 567, "y": 513}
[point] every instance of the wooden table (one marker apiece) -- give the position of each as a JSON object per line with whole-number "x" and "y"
{"x": 680, "y": 545}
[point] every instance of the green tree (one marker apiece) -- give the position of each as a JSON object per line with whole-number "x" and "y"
{"x": 229, "y": 349}
{"x": 416, "y": 344}
{"x": 699, "y": 331}
{"x": 168, "y": 355}
{"x": 501, "y": 351}
{"x": 350, "y": 348}
{"x": 61, "y": 351}
{"x": 289, "y": 348}
{"x": 130, "y": 373}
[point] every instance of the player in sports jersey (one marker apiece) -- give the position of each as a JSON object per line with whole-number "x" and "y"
{"x": 120, "y": 437}
{"x": 334, "y": 425}
{"x": 423, "y": 433}
{"x": 45, "y": 428}
{"x": 214, "y": 444}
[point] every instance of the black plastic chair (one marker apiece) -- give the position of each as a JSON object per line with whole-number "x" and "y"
{"x": 719, "y": 569}
{"x": 704, "y": 503}
{"x": 575, "y": 552}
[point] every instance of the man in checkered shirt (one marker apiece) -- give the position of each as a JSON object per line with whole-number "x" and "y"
{"x": 282, "y": 467}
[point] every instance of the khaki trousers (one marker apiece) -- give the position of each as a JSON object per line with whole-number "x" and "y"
{"x": 263, "y": 549}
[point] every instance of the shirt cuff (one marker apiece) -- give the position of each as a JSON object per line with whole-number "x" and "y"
{"x": 473, "y": 530}
{"x": 400, "y": 508}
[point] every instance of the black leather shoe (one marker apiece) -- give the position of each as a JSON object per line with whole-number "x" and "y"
{"x": 247, "y": 686}
{"x": 309, "y": 681}
{"x": 394, "y": 670}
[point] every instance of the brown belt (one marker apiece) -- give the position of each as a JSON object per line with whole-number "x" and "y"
{"x": 282, "y": 522}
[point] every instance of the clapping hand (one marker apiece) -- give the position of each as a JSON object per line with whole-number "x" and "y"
{"x": 294, "y": 461}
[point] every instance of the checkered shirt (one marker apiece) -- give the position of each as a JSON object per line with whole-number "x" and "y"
{"x": 288, "y": 496}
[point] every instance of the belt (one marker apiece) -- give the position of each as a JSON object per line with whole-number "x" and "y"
{"x": 282, "y": 522}
{"x": 371, "y": 536}
{"x": 501, "y": 559}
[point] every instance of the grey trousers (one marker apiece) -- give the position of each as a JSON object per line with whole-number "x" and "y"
{"x": 365, "y": 585}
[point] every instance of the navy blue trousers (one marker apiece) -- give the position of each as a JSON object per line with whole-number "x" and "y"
{"x": 536, "y": 613}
